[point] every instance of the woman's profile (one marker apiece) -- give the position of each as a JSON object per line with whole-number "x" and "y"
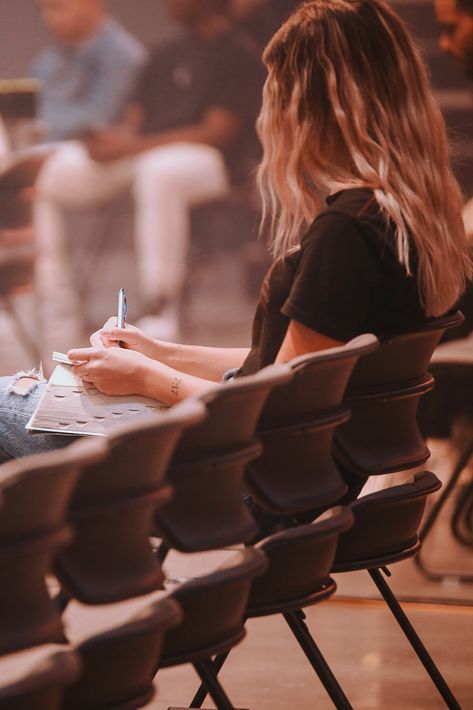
{"x": 347, "y": 113}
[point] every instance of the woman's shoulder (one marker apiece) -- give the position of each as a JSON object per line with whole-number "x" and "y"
{"x": 352, "y": 218}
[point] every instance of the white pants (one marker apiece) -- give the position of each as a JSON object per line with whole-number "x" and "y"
{"x": 166, "y": 182}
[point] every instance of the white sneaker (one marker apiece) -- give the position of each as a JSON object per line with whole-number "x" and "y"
{"x": 162, "y": 327}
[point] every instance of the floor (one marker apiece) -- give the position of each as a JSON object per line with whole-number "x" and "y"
{"x": 371, "y": 659}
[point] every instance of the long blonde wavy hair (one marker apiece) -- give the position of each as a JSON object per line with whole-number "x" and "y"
{"x": 347, "y": 99}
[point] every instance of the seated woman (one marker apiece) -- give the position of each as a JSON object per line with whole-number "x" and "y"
{"x": 347, "y": 109}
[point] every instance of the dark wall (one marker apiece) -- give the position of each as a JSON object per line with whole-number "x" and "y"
{"x": 22, "y": 34}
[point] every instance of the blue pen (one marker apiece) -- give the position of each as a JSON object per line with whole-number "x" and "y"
{"x": 121, "y": 315}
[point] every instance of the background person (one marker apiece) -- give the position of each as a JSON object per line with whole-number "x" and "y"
{"x": 261, "y": 18}
{"x": 188, "y": 125}
{"x": 88, "y": 73}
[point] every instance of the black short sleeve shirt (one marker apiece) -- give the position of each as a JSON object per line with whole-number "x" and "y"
{"x": 188, "y": 75}
{"x": 344, "y": 280}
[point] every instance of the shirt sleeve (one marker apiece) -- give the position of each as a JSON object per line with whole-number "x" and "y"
{"x": 335, "y": 279}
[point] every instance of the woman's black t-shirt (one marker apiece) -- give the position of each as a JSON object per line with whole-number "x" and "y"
{"x": 344, "y": 280}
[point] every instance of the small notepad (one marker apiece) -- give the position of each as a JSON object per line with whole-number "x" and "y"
{"x": 71, "y": 406}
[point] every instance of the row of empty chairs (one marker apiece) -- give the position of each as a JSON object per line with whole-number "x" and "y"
{"x": 300, "y": 439}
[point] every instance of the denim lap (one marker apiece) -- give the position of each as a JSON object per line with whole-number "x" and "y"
{"x": 15, "y": 412}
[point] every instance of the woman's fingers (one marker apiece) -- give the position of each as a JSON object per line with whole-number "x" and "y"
{"x": 101, "y": 338}
{"x": 82, "y": 355}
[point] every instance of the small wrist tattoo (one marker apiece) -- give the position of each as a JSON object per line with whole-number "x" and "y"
{"x": 176, "y": 386}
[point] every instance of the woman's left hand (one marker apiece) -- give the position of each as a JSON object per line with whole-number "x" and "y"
{"x": 114, "y": 371}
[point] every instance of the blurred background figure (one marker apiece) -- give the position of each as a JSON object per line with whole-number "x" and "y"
{"x": 455, "y": 20}
{"x": 261, "y": 18}
{"x": 186, "y": 131}
{"x": 88, "y": 72}
{"x": 86, "y": 76}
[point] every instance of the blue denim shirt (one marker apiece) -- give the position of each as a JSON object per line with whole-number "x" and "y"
{"x": 87, "y": 86}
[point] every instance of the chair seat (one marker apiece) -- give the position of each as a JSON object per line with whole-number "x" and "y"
{"x": 388, "y": 558}
{"x": 81, "y": 621}
{"x": 120, "y": 646}
{"x": 300, "y": 560}
{"x": 36, "y": 661}
{"x": 214, "y": 607}
{"x": 386, "y": 525}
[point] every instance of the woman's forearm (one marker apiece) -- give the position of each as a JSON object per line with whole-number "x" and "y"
{"x": 200, "y": 361}
{"x": 169, "y": 385}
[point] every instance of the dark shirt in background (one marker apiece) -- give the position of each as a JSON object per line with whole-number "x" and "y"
{"x": 187, "y": 76}
{"x": 264, "y": 21}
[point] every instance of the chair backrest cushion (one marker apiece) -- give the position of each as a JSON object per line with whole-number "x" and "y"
{"x": 382, "y": 434}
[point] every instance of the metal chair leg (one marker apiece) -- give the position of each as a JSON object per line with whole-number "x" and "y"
{"x": 462, "y": 519}
{"x": 437, "y": 507}
{"x": 199, "y": 698}
{"x": 295, "y": 621}
{"x": 414, "y": 640}
{"x": 434, "y": 575}
{"x": 317, "y": 661}
{"x": 210, "y": 680}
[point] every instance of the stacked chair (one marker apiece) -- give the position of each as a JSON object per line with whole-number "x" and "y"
{"x": 270, "y": 463}
{"x": 207, "y": 513}
{"x": 36, "y": 490}
{"x": 107, "y": 653}
{"x": 294, "y": 474}
{"x": 382, "y": 436}
{"x": 117, "y": 613}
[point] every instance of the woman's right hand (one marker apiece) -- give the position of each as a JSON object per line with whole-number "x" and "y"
{"x": 131, "y": 338}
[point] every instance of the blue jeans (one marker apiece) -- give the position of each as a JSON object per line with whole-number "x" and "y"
{"x": 15, "y": 412}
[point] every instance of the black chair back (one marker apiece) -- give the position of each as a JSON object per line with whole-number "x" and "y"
{"x": 207, "y": 470}
{"x": 299, "y": 564}
{"x": 296, "y": 471}
{"x": 36, "y": 679}
{"x": 214, "y": 607}
{"x": 36, "y": 492}
{"x": 386, "y": 525}
{"x": 119, "y": 665}
{"x": 111, "y": 558}
{"x": 382, "y": 435}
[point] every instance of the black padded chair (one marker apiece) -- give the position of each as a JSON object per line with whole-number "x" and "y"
{"x": 36, "y": 492}
{"x": 35, "y": 679}
{"x": 111, "y": 557}
{"x": 119, "y": 646}
{"x": 296, "y": 472}
{"x": 214, "y": 609}
{"x": 383, "y": 436}
{"x": 385, "y": 532}
{"x": 208, "y": 467}
{"x": 113, "y": 582}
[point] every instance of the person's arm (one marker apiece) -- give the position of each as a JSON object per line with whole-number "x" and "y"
{"x": 218, "y": 127}
{"x": 116, "y": 371}
{"x": 300, "y": 340}
{"x": 209, "y": 363}
{"x": 119, "y": 371}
